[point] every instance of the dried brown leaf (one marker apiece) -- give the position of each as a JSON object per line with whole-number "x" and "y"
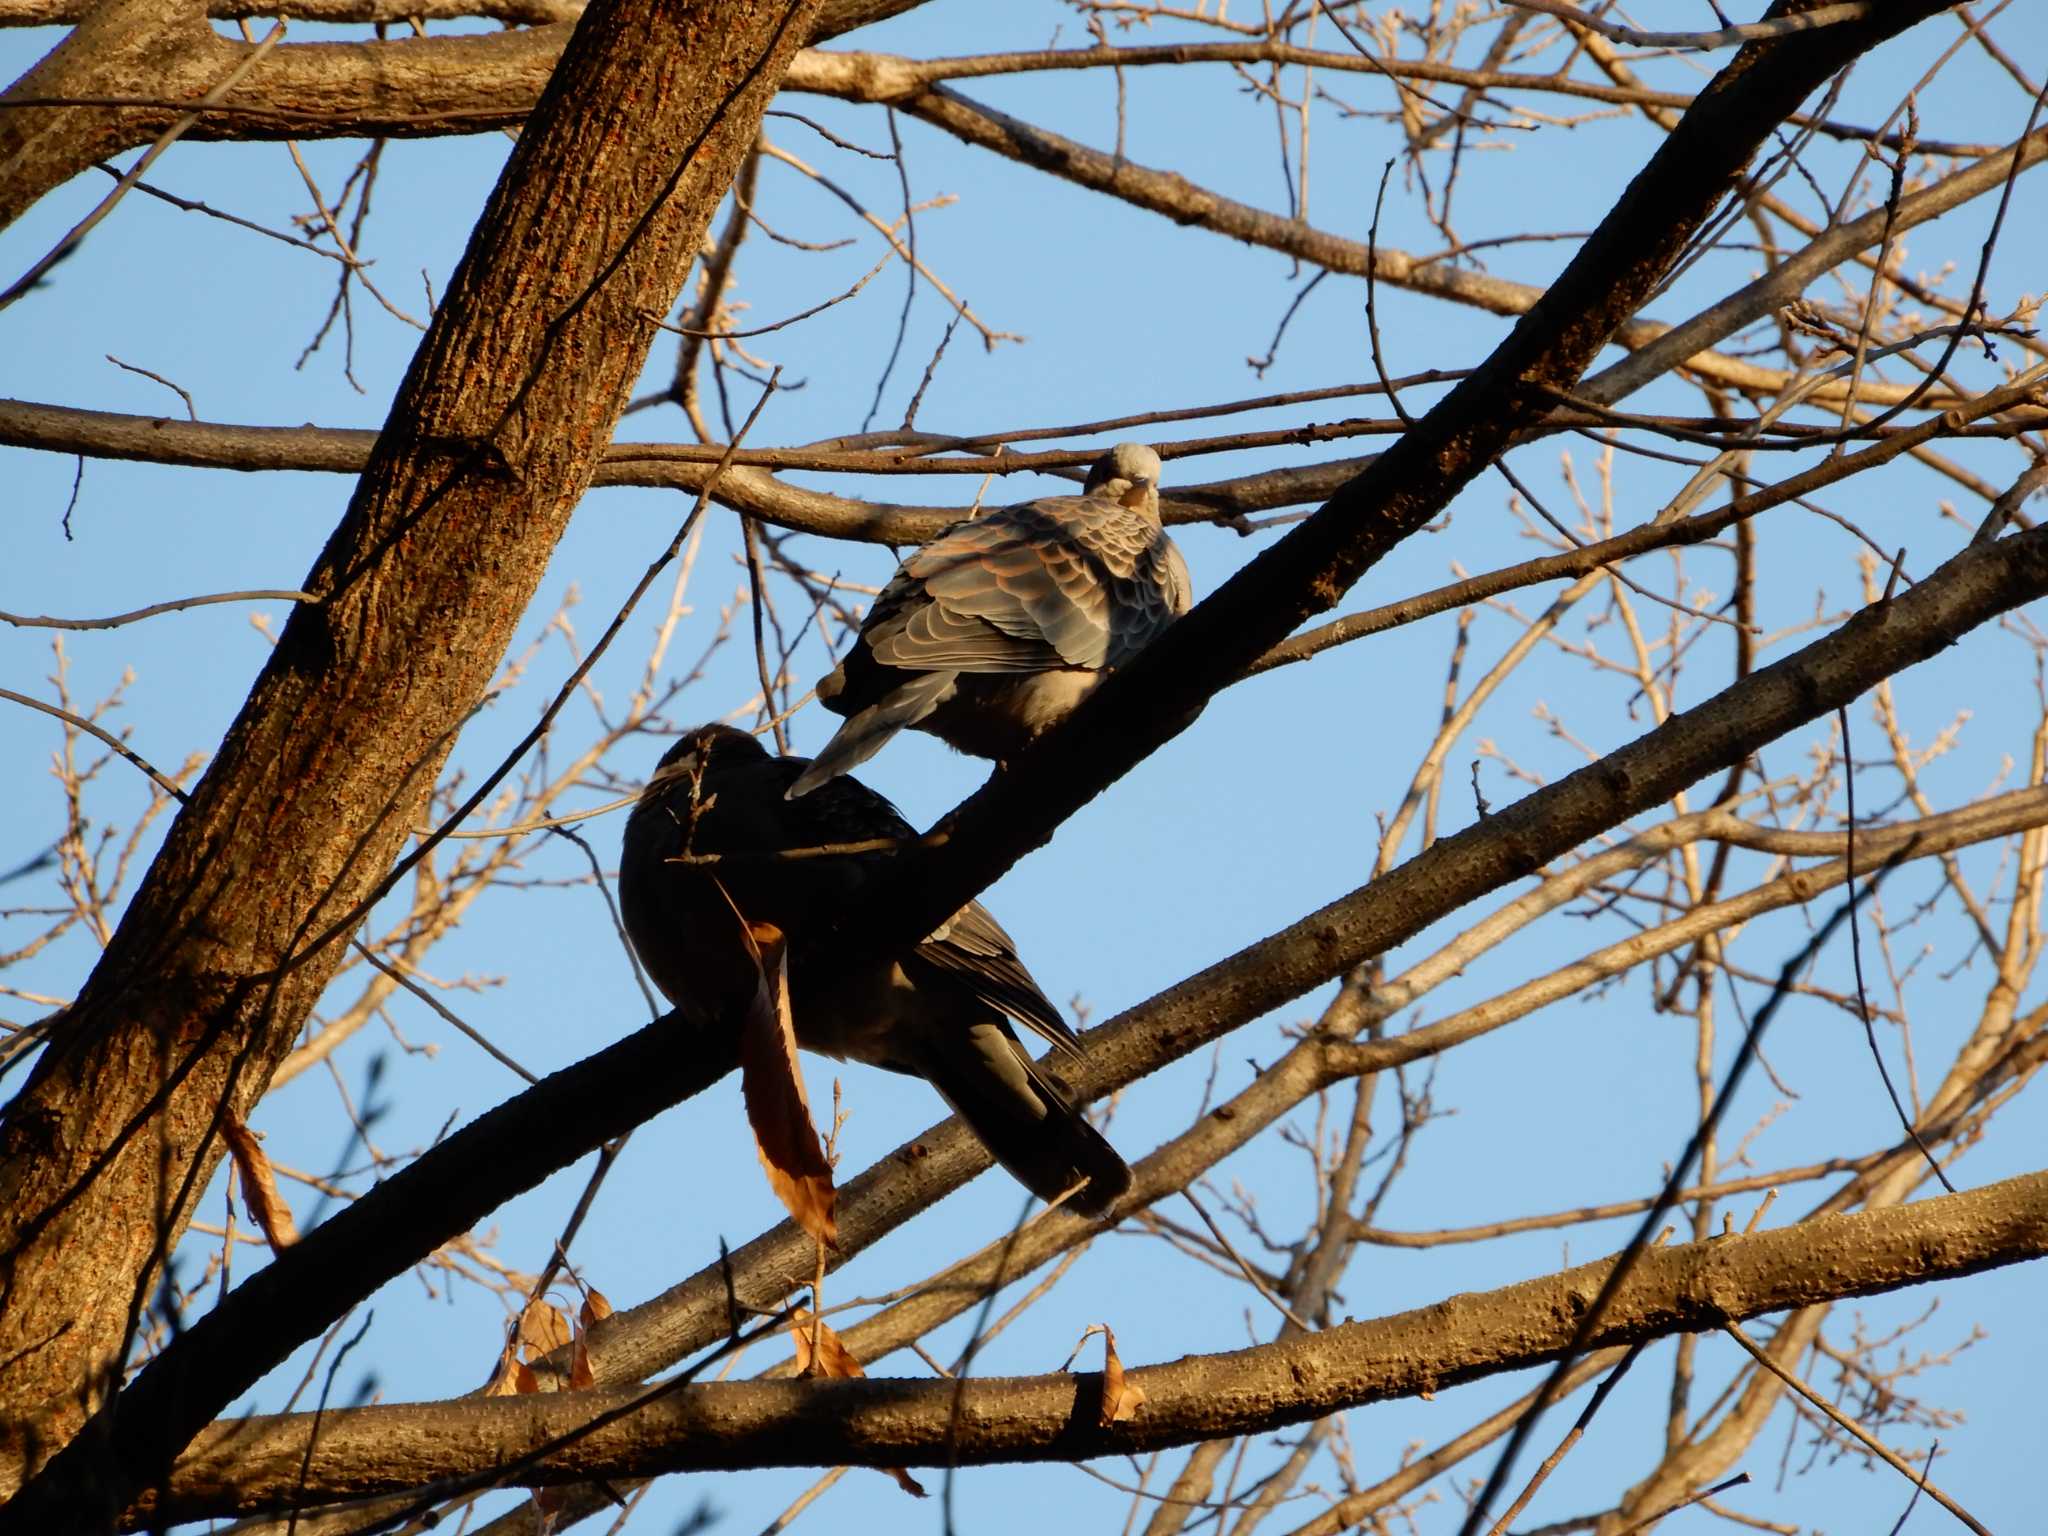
{"x": 835, "y": 1359}
{"x": 581, "y": 1377}
{"x": 778, "y": 1109}
{"x": 267, "y": 1208}
{"x": 504, "y": 1380}
{"x": 524, "y": 1379}
{"x": 905, "y": 1481}
{"x": 542, "y": 1328}
{"x": 547, "y": 1504}
{"x": 1121, "y": 1398}
{"x": 595, "y": 1309}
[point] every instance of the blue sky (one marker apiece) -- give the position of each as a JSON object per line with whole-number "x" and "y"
{"x": 1263, "y": 810}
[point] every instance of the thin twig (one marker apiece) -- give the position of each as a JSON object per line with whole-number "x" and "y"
{"x": 93, "y": 730}
{"x": 1572, "y": 1438}
{"x": 115, "y": 621}
{"x": 1863, "y": 1010}
{"x": 1726, "y": 37}
{"x": 1869, "y": 1442}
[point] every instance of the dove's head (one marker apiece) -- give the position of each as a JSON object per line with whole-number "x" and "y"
{"x": 1128, "y": 474}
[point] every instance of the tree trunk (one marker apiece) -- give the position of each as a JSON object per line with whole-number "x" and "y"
{"x": 238, "y": 925}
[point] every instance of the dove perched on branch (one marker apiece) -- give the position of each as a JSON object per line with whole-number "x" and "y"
{"x": 996, "y": 629}
{"x": 939, "y": 1009}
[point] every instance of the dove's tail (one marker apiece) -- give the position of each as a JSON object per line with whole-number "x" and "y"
{"x": 869, "y": 731}
{"x": 1023, "y": 1116}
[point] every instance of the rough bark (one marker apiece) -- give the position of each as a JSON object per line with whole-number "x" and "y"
{"x": 491, "y": 440}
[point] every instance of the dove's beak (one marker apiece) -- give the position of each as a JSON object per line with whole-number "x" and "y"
{"x": 1135, "y": 496}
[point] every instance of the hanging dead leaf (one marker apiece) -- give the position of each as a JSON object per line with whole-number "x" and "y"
{"x": 835, "y": 1359}
{"x": 773, "y": 1084}
{"x": 504, "y": 1380}
{"x": 1121, "y": 1397}
{"x": 267, "y": 1208}
{"x": 595, "y": 1309}
{"x": 524, "y": 1379}
{"x": 905, "y": 1481}
{"x": 542, "y": 1328}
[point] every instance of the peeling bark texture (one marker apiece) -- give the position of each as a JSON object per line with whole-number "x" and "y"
{"x": 251, "y": 1465}
{"x": 491, "y": 439}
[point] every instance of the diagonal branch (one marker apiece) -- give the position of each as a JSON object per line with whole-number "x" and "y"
{"x": 301, "y": 1292}
{"x": 1307, "y": 572}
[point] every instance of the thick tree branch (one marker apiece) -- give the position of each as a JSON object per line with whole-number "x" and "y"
{"x": 253, "y": 1328}
{"x": 263, "y": 1464}
{"x": 835, "y": 17}
{"x": 1307, "y": 572}
{"x": 527, "y": 13}
{"x": 122, "y": 48}
{"x": 144, "y": 50}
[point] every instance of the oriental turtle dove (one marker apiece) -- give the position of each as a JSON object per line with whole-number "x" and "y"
{"x": 996, "y": 629}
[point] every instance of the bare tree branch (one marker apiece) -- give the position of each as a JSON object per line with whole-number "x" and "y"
{"x": 255, "y": 1464}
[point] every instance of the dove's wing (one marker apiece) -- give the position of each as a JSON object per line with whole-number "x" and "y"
{"x": 1023, "y": 589}
{"x": 927, "y": 636}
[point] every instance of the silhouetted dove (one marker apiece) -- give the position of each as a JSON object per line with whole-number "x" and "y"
{"x": 1002, "y": 624}
{"x": 935, "y": 1009}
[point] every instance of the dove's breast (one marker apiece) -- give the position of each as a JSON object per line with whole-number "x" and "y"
{"x": 995, "y": 714}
